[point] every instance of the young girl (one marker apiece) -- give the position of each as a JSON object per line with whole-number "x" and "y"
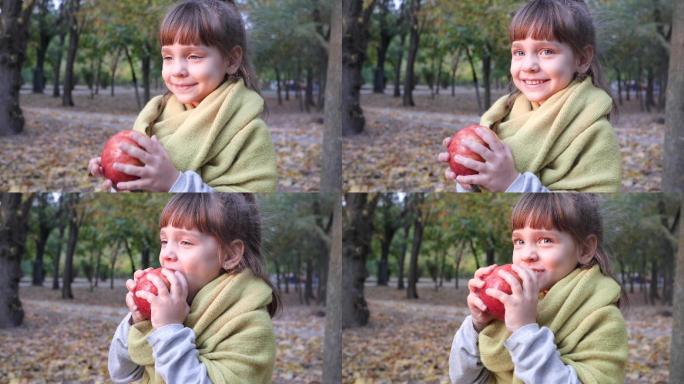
{"x": 552, "y": 132}
{"x": 214, "y": 323}
{"x": 562, "y": 323}
{"x": 206, "y": 133}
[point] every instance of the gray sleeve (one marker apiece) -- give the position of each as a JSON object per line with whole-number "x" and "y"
{"x": 121, "y": 368}
{"x": 176, "y": 358}
{"x": 465, "y": 366}
{"x": 536, "y": 358}
{"x": 190, "y": 181}
{"x": 527, "y": 182}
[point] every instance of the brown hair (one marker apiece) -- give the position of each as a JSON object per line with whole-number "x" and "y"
{"x": 212, "y": 23}
{"x": 226, "y": 217}
{"x": 576, "y": 214}
{"x": 566, "y": 21}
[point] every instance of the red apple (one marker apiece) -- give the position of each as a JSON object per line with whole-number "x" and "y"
{"x": 456, "y": 147}
{"x": 493, "y": 280}
{"x": 112, "y": 154}
{"x": 145, "y": 285}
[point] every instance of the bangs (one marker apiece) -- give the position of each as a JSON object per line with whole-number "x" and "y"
{"x": 545, "y": 211}
{"x": 188, "y": 24}
{"x": 540, "y": 20}
{"x": 192, "y": 212}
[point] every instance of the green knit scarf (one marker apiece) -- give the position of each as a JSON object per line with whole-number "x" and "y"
{"x": 233, "y": 332}
{"x": 588, "y": 330}
{"x": 223, "y": 138}
{"x": 567, "y": 142}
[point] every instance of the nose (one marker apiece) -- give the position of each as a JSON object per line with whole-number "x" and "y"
{"x": 168, "y": 253}
{"x": 529, "y": 254}
{"x": 179, "y": 69}
{"x": 530, "y": 63}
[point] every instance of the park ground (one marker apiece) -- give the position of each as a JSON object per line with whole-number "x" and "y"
{"x": 398, "y": 149}
{"x": 67, "y": 341}
{"x": 53, "y": 151}
{"x": 408, "y": 341}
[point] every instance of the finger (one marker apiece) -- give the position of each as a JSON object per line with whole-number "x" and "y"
{"x": 475, "y": 283}
{"x": 470, "y": 163}
{"x": 130, "y": 284}
{"x": 136, "y": 152}
{"x": 528, "y": 277}
{"x": 516, "y": 287}
{"x": 443, "y": 157}
{"x": 135, "y": 185}
{"x": 446, "y": 141}
{"x": 478, "y": 303}
{"x": 106, "y": 185}
{"x": 129, "y": 169}
{"x": 485, "y": 270}
{"x": 162, "y": 290}
{"x": 478, "y": 148}
{"x": 149, "y": 296}
{"x": 449, "y": 174}
{"x": 495, "y": 293}
{"x": 489, "y": 137}
{"x": 143, "y": 140}
{"x": 130, "y": 302}
{"x": 183, "y": 282}
{"x": 173, "y": 281}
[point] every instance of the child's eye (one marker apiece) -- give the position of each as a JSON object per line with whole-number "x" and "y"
{"x": 518, "y": 53}
{"x": 547, "y": 52}
{"x": 194, "y": 57}
{"x": 163, "y": 242}
{"x": 517, "y": 242}
{"x": 185, "y": 242}
{"x": 166, "y": 58}
{"x": 545, "y": 240}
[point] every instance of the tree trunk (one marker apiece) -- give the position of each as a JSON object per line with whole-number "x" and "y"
{"x": 57, "y": 66}
{"x": 397, "y": 67}
{"x": 112, "y": 70}
{"x": 402, "y": 257}
{"x": 475, "y": 82}
{"x": 14, "y": 33}
{"x": 414, "y": 41}
{"x": 650, "y": 99}
{"x": 418, "y": 226}
{"x": 358, "y": 231}
{"x": 74, "y": 33}
{"x": 14, "y": 216}
{"x": 354, "y": 42}
{"x": 135, "y": 79}
{"x": 332, "y": 343}
{"x": 619, "y": 84}
{"x": 331, "y": 156}
{"x": 486, "y": 75}
{"x": 280, "y": 96}
{"x": 308, "y": 283}
{"x": 673, "y": 177}
{"x": 74, "y": 224}
{"x": 653, "y": 289}
{"x": 58, "y": 256}
{"x": 309, "y": 95}
{"x": 44, "y": 37}
{"x": 146, "y": 63}
{"x": 677, "y": 343}
{"x": 381, "y": 51}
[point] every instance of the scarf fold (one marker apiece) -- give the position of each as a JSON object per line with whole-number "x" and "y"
{"x": 233, "y": 332}
{"x": 567, "y": 141}
{"x": 588, "y": 328}
{"x": 223, "y": 139}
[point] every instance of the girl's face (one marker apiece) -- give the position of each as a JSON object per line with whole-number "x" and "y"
{"x": 191, "y": 72}
{"x": 541, "y": 68}
{"x": 191, "y": 252}
{"x": 551, "y": 254}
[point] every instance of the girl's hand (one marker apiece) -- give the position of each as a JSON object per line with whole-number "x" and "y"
{"x": 95, "y": 169}
{"x": 498, "y": 171}
{"x": 130, "y": 303}
{"x": 444, "y": 157}
{"x": 521, "y": 304}
{"x": 477, "y": 307}
{"x": 168, "y": 307}
{"x": 158, "y": 172}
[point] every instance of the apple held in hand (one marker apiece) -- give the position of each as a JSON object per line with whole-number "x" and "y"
{"x": 145, "y": 285}
{"x": 493, "y": 280}
{"x": 112, "y": 154}
{"x": 456, "y": 147}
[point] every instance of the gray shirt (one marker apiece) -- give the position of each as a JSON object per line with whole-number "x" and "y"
{"x": 175, "y": 355}
{"x": 525, "y": 182}
{"x": 190, "y": 181}
{"x": 533, "y": 351}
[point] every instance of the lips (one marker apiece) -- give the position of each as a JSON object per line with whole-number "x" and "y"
{"x": 183, "y": 86}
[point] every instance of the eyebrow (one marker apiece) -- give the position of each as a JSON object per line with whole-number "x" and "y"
{"x": 536, "y": 43}
{"x": 182, "y": 232}
{"x": 536, "y": 231}
{"x": 183, "y": 48}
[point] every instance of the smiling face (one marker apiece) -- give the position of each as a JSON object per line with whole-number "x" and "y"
{"x": 191, "y": 252}
{"x": 551, "y": 254}
{"x": 540, "y": 68}
{"x": 191, "y": 72}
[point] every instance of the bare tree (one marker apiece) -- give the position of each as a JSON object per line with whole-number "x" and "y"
{"x": 677, "y": 345}
{"x": 673, "y": 177}
{"x": 331, "y": 169}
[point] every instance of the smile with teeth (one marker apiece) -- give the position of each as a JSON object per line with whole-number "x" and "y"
{"x": 534, "y": 82}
